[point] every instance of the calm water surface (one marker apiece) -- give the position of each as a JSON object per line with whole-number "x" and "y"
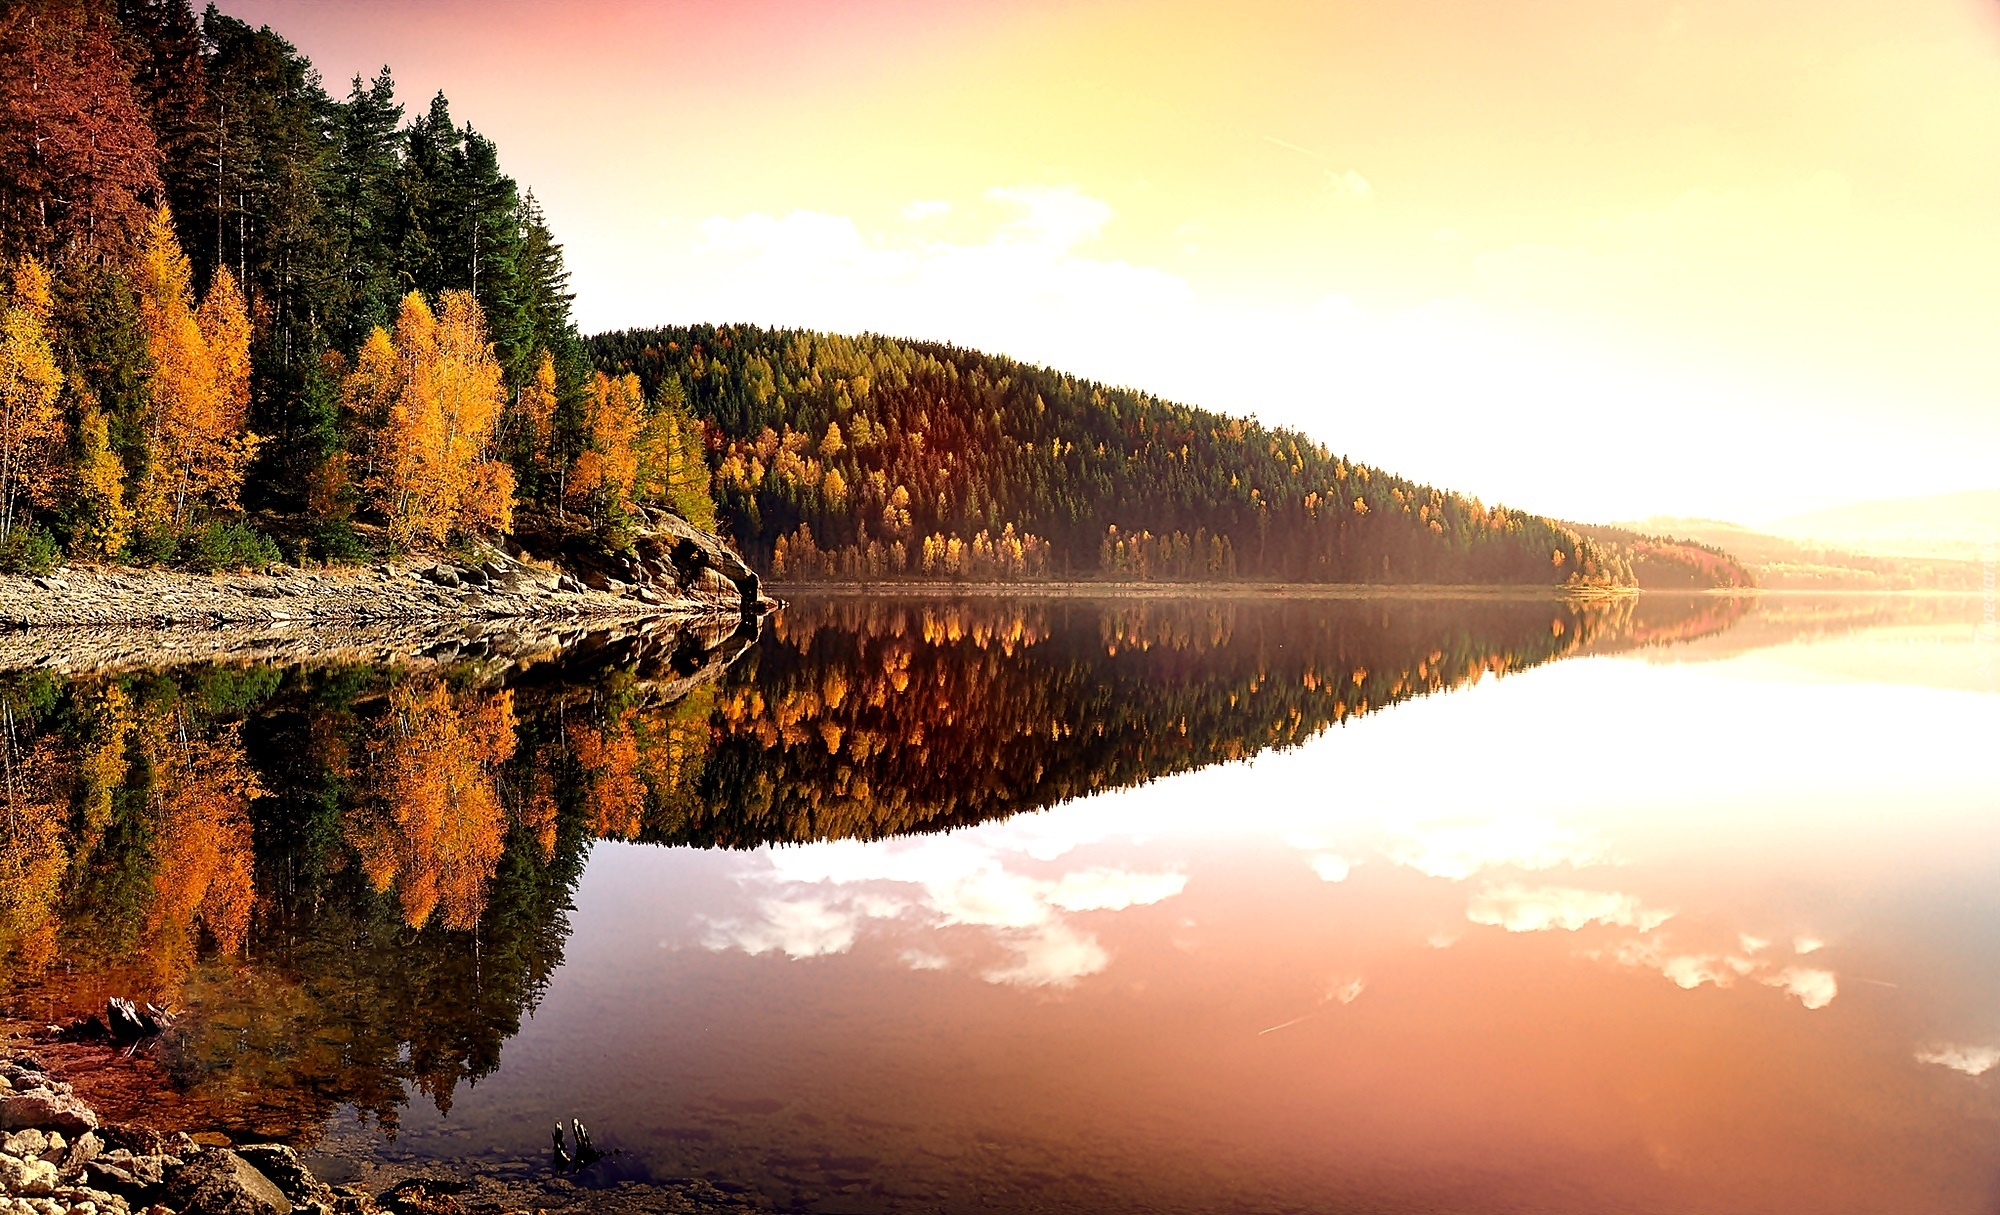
{"x": 1372, "y": 905}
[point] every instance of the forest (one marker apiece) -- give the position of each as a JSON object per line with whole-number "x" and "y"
{"x": 867, "y": 458}
{"x": 244, "y": 321}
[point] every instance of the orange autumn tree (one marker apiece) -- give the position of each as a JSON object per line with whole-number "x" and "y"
{"x": 639, "y": 453}
{"x": 200, "y": 819}
{"x": 198, "y": 446}
{"x": 30, "y": 424}
{"x": 614, "y": 415}
{"x": 435, "y": 829}
{"x": 434, "y": 390}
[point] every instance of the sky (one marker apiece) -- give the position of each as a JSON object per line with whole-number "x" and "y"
{"x": 1596, "y": 258}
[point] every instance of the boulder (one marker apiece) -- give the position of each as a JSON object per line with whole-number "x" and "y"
{"x": 217, "y": 1181}
{"x": 45, "y": 1108}
{"x": 282, "y": 1165}
{"x": 27, "y": 1178}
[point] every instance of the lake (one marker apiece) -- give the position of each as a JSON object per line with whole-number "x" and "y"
{"x": 1372, "y": 904}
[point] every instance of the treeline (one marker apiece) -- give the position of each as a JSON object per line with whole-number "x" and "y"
{"x": 232, "y": 299}
{"x": 866, "y": 458}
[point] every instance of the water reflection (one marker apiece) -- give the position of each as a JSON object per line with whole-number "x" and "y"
{"x": 363, "y": 880}
{"x": 357, "y": 874}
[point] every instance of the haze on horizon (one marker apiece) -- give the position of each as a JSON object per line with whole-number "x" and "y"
{"x": 1596, "y": 260}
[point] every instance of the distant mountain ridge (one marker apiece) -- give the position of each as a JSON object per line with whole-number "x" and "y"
{"x": 1954, "y": 525}
{"x": 1783, "y": 563}
{"x": 867, "y": 458}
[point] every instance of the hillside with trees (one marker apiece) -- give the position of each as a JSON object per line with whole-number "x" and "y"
{"x": 244, "y": 320}
{"x": 868, "y": 458}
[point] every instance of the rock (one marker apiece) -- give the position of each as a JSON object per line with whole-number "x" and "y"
{"x": 217, "y": 1181}
{"x": 139, "y": 1178}
{"x": 27, "y": 1178}
{"x": 85, "y": 1149}
{"x": 24, "y": 1144}
{"x": 281, "y": 1164}
{"x": 47, "y": 1109}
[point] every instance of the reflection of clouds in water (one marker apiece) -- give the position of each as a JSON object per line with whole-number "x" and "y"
{"x": 799, "y": 927}
{"x": 959, "y": 881}
{"x": 1332, "y": 868}
{"x": 1814, "y": 988}
{"x": 1972, "y": 1060}
{"x": 1055, "y": 955}
{"x": 1461, "y": 848}
{"x": 1520, "y": 909}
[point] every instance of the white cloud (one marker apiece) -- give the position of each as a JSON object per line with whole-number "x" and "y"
{"x": 1059, "y": 217}
{"x": 1814, "y": 988}
{"x": 1460, "y": 849}
{"x": 1806, "y": 945}
{"x": 827, "y": 891}
{"x": 1114, "y": 889}
{"x": 1520, "y": 909}
{"x": 1972, "y": 1060}
{"x": 797, "y": 928}
{"x": 926, "y": 208}
{"x": 1348, "y": 184}
{"x": 1332, "y": 868}
{"x": 1054, "y": 956}
{"x": 1752, "y": 944}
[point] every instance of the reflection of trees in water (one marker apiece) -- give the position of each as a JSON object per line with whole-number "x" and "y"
{"x": 358, "y": 878}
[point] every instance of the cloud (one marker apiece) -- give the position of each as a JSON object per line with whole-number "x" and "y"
{"x": 1058, "y": 217}
{"x": 1332, "y": 868}
{"x": 1346, "y": 183}
{"x": 1806, "y": 945}
{"x": 926, "y": 208}
{"x": 826, "y": 892}
{"x": 1972, "y": 1060}
{"x": 1458, "y": 850}
{"x": 1814, "y": 988}
{"x": 1054, "y": 956}
{"x": 797, "y": 928}
{"x": 1114, "y": 889}
{"x": 1520, "y": 909}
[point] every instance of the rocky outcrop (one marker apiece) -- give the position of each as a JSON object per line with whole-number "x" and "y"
{"x": 671, "y": 568}
{"x": 77, "y": 1166}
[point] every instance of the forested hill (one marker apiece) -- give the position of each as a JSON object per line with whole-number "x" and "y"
{"x": 867, "y": 457}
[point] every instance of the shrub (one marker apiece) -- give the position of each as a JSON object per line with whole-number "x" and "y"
{"x": 151, "y": 546}
{"x": 221, "y": 546}
{"x": 29, "y": 550}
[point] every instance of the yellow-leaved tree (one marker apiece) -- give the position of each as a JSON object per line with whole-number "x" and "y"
{"x": 673, "y": 467}
{"x": 31, "y": 428}
{"x": 197, "y": 444}
{"x": 436, "y": 389}
{"x": 614, "y": 414}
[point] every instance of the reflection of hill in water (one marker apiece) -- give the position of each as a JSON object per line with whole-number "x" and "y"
{"x": 357, "y": 876}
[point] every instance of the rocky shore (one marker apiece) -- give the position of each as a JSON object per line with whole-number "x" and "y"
{"x": 671, "y": 566}
{"x": 57, "y": 1157}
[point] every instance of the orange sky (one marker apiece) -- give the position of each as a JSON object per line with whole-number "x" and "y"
{"x": 1602, "y": 258}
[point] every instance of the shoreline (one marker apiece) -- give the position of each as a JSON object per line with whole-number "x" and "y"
{"x": 495, "y": 587}
{"x": 1309, "y": 590}
{"x": 65, "y": 1151}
